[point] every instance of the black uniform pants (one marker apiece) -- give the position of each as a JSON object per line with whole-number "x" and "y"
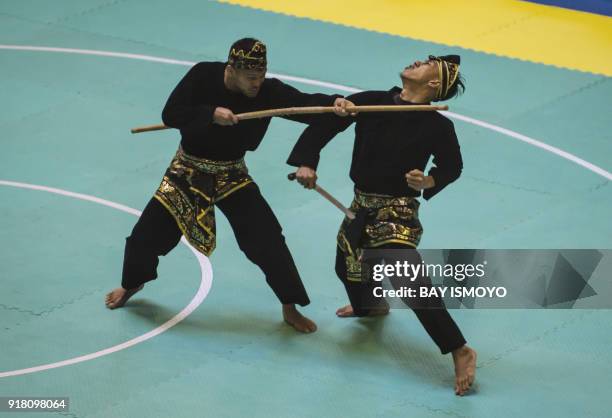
{"x": 431, "y": 312}
{"x": 255, "y": 227}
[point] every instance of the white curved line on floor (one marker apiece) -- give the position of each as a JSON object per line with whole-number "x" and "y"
{"x": 205, "y": 284}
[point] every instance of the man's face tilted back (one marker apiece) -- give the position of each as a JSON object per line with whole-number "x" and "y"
{"x": 423, "y": 74}
{"x": 423, "y": 71}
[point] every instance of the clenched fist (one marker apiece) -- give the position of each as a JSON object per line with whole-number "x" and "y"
{"x": 306, "y": 176}
{"x": 340, "y": 105}
{"x": 417, "y": 180}
{"x": 224, "y": 117}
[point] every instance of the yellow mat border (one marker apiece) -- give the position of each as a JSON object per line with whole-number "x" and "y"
{"x": 516, "y": 29}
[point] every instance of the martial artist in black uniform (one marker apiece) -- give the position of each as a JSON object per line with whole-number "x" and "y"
{"x": 390, "y": 153}
{"x": 208, "y": 170}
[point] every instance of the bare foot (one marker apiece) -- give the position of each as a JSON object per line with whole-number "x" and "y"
{"x": 298, "y": 321}
{"x": 347, "y": 311}
{"x": 465, "y": 369}
{"x": 117, "y": 297}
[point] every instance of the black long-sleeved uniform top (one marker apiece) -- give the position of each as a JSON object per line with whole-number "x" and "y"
{"x": 387, "y": 146}
{"x": 191, "y": 106}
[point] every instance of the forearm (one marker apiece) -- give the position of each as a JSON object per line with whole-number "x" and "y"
{"x": 448, "y": 163}
{"x": 183, "y": 116}
{"x": 284, "y": 95}
{"x": 429, "y": 182}
{"x": 315, "y": 137}
{"x": 304, "y": 157}
{"x": 439, "y": 180}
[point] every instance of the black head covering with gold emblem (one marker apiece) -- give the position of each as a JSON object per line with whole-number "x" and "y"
{"x": 448, "y": 71}
{"x": 248, "y": 54}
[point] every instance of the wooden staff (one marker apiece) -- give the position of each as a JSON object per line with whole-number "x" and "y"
{"x": 311, "y": 110}
{"x": 349, "y": 213}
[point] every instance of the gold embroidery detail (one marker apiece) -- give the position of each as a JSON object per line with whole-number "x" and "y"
{"x": 391, "y": 220}
{"x": 190, "y": 189}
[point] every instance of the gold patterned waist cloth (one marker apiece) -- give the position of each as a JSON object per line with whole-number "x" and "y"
{"x": 210, "y": 166}
{"x": 189, "y": 190}
{"x": 380, "y": 220}
{"x": 376, "y": 201}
